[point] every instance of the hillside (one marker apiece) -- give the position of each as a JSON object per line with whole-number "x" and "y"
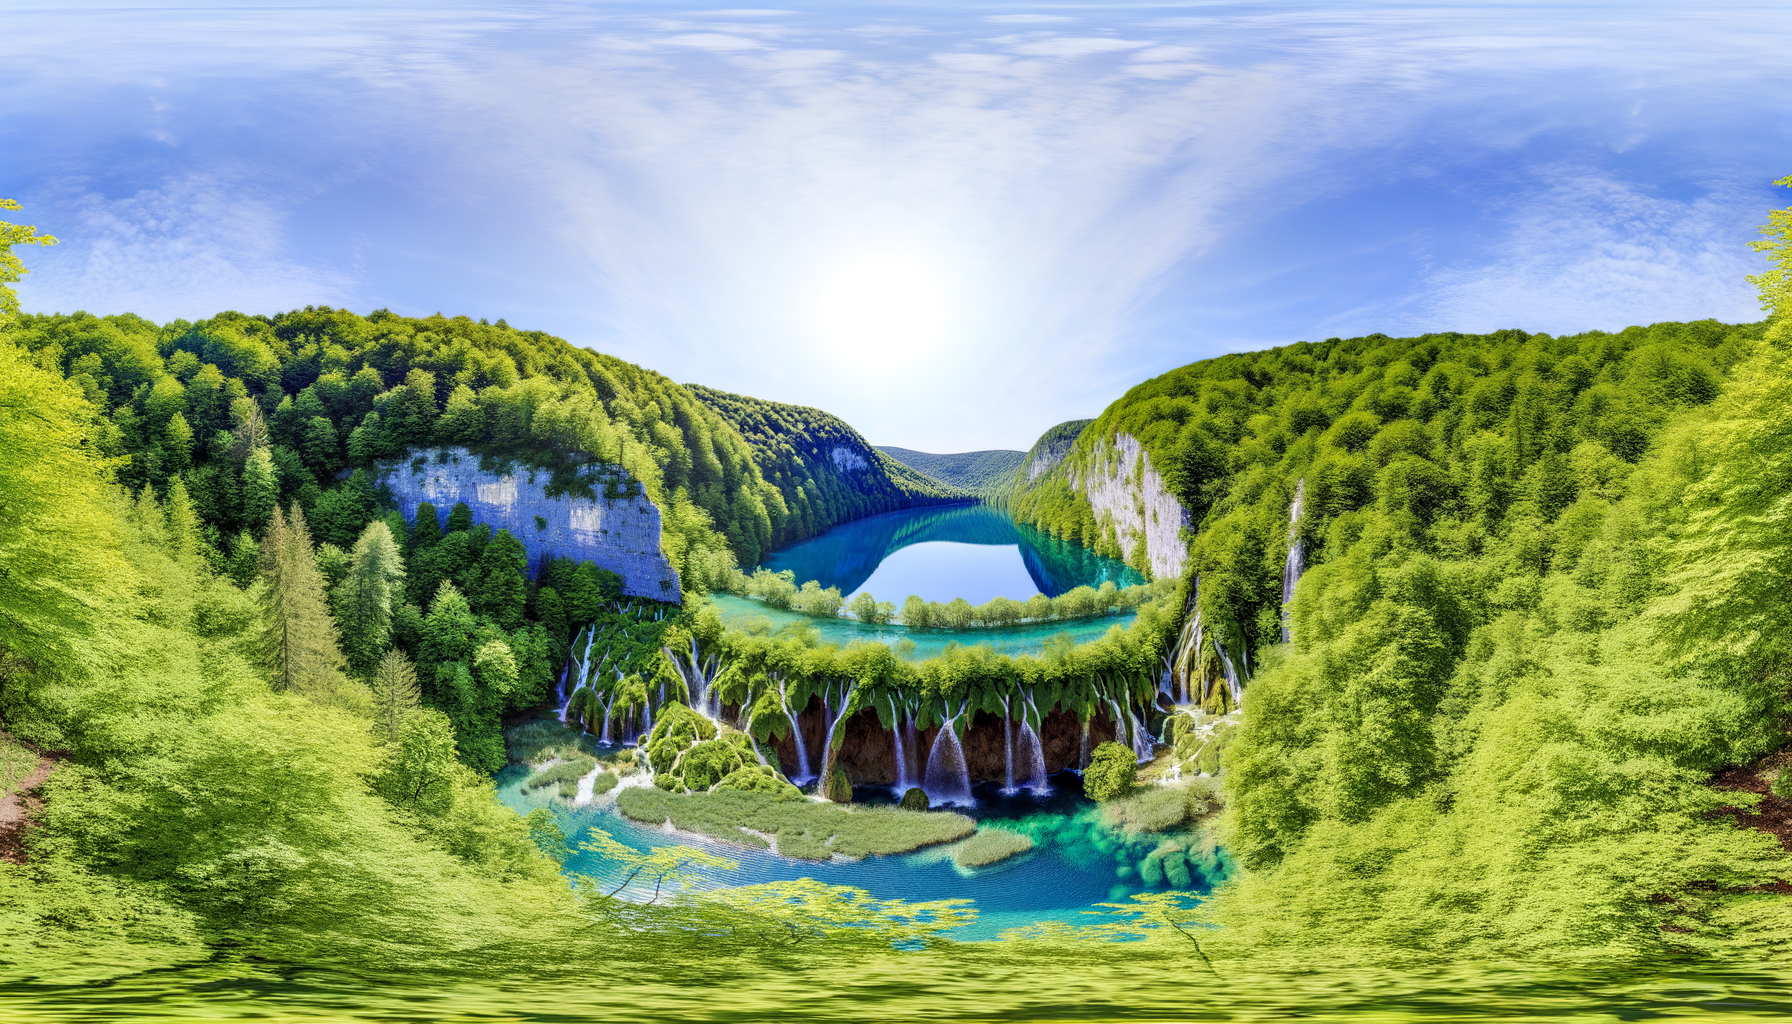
{"x": 826, "y": 472}
{"x": 981, "y": 473}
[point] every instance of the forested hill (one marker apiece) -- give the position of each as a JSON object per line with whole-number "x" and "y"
{"x": 826, "y": 472}
{"x": 981, "y": 473}
{"x": 330, "y": 391}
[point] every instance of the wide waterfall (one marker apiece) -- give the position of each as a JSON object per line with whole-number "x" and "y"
{"x": 948, "y": 779}
{"x": 1297, "y": 557}
{"x": 901, "y": 761}
{"x": 1034, "y": 752}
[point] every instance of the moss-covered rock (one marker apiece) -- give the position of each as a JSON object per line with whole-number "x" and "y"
{"x": 708, "y": 763}
{"x": 838, "y": 787}
{"x": 914, "y": 799}
{"x": 759, "y": 779}
{"x": 990, "y": 845}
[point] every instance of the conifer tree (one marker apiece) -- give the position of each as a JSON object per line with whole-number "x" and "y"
{"x": 261, "y": 489}
{"x": 550, "y": 611}
{"x": 502, "y": 590}
{"x": 183, "y": 522}
{"x": 303, "y": 655}
{"x": 395, "y": 694}
{"x": 426, "y": 527}
{"x": 364, "y": 599}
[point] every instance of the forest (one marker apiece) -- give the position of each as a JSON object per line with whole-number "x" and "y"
{"x": 981, "y": 473}
{"x": 1542, "y": 612}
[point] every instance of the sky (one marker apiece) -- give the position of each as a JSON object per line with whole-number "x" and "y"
{"x": 952, "y": 225}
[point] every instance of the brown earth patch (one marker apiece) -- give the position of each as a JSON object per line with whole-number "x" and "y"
{"x": 1773, "y": 815}
{"x": 18, "y": 807}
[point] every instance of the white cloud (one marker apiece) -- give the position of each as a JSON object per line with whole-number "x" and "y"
{"x": 189, "y": 248}
{"x": 715, "y": 41}
{"x": 1026, "y": 19}
{"x": 1076, "y": 46}
{"x": 1591, "y": 251}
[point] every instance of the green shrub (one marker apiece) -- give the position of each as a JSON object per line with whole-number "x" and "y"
{"x": 1111, "y": 773}
{"x": 990, "y": 845}
{"x": 759, "y": 779}
{"x": 1782, "y": 786}
{"x": 914, "y": 800}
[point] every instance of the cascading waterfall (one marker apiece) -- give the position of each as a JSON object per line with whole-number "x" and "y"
{"x": 1297, "y": 557}
{"x": 833, "y": 719}
{"x": 1230, "y": 673}
{"x": 1082, "y": 760}
{"x": 796, "y": 733}
{"x": 913, "y": 763}
{"x": 948, "y": 779}
{"x": 1007, "y": 749}
{"x": 1036, "y": 781}
{"x": 901, "y": 761}
{"x": 1142, "y": 748}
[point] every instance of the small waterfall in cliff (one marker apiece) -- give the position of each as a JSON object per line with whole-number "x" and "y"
{"x": 948, "y": 779}
{"x": 833, "y": 719}
{"x": 802, "y": 754}
{"x": 1230, "y": 673}
{"x": 646, "y": 723}
{"x": 1142, "y": 747}
{"x": 1297, "y": 557}
{"x": 913, "y": 765}
{"x": 901, "y": 761}
{"x": 1007, "y": 749}
{"x": 1186, "y": 655}
{"x": 1034, "y": 753}
{"x": 1082, "y": 759}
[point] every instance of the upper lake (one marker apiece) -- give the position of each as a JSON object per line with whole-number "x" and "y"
{"x": 971, "y": 551}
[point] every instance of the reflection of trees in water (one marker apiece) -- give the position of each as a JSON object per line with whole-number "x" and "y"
{"x": 847, "y": 555}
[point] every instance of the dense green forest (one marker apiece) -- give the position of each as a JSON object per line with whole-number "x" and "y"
{"x": 1545, "y": 606}
{"x": 826, "y": 472}
{"x": 981, "y": 473}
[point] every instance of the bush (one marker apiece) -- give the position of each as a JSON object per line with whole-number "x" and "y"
{"x": 914, "y": 800}
{"x": 1111, "y": 773}
{"x": 569, "y": 771}
{"x": 990, "y": 845}
{"x": 759, "y": 779}
{"x": 804, "y": 829}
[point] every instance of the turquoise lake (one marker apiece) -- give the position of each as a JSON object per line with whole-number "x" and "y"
{"x": 1079, "y": 859}
{"x": 971, "y": 551}
{"x": 938, "y": 554}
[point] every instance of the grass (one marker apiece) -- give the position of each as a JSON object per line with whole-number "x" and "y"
{"x": 1161, "y": 808}
{"x": 17, "y": 762}
{"x": 566, "y": 771}
{"x": 990, "y": 845}
{"x": 804, "y": 828}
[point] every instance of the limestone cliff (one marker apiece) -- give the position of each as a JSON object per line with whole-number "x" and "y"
{"x": 619, "y": 534}
{"x": 1125, "y": 489}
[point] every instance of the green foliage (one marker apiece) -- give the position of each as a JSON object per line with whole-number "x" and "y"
{"x": 838, "y": 787}
{"x": 566, "y": 771}
{"x": 824, "y": 472}
{"x": 363, "y": 601}
{"x": 986, "y": 474}
{"x": 803, "y": 829}
{"x": 989, "y": 846}
{"x": 914, "y": 800}
{"x": 1112, "y": 772}
{"x": 11, "y": 267}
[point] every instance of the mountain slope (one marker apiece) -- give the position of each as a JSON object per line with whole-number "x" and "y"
{"x": 982, "y": 473}
{"x": 826, "y": 472}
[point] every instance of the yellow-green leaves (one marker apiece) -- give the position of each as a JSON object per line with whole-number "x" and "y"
{"x": 11, "y": 267}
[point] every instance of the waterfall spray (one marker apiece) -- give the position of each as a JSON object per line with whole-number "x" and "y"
{"x": 948, "y": 779}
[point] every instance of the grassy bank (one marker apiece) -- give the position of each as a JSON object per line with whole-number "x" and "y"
{"x": 803, "y": 829}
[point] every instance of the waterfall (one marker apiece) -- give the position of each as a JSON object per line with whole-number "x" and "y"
{"x": 833, "y": 719}
{"x": 1036, "y": 781}
{"x": 1188, "y": 647}
{"x": 1036, "y": 764}
{"x": 1297, "y": 556}
{"x": 1230, "y": 673}
{"x": 948, "y": 780}
{"x": 912, "y": 766}
{"x": 901, "y": 761}
{"x": 646, "y": 723}
{"x": 1007, "y": 749}
{"x": 1142, "y": 748}
{"x": 1082, "y": 760}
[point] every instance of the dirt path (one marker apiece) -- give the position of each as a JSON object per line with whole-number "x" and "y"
{"x": 16, "y": 807}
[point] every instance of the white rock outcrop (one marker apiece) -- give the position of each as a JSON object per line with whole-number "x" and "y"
{"x": 1121, "y": 484}
{"x": 619, "y": 534}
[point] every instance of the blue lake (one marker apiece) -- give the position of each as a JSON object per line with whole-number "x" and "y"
{"x": 1078, "y": 860}
{"x": 971, "y": 551}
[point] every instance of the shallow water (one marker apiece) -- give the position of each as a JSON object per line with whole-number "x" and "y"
{"x": 971, "y": 551}
{"x": 1077, "y": 861}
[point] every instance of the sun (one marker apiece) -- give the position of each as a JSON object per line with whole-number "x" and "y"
{"x": 875, "y": 308}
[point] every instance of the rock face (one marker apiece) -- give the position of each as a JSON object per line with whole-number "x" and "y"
{"x": 620, "y": 534}
{"x": 1122, "y": 483}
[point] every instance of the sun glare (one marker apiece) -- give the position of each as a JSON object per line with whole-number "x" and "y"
{"x": 877, "y": 307}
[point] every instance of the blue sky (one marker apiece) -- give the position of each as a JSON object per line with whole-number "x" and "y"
{"x": 953, "y": 225}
